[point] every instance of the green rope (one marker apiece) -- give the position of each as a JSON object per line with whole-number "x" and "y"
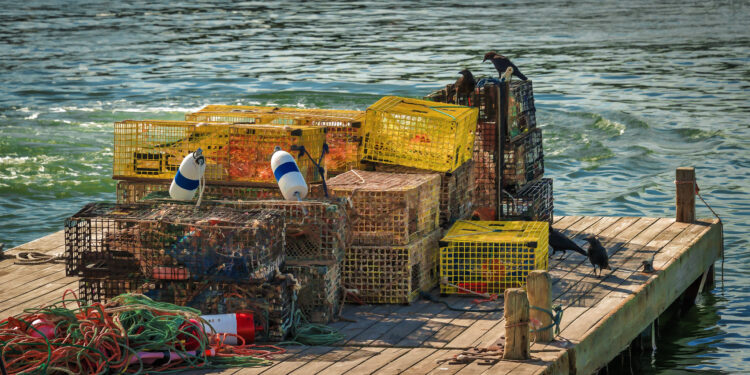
{"x": 305, "y": 333}
{"x": 555, "y": 314}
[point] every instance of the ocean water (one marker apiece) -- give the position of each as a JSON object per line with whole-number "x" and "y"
{"x": 626, "y": 92}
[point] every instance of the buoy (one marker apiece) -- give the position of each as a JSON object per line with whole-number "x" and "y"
{"x": 188, "y": 176}
{"x": 46, "y": 328}
{"x": 240, "y": 324}
{"x": 288, "y": 176}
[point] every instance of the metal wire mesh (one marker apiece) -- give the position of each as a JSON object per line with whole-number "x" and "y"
{"x": 491, "y": 256}
{"x": 135, "y": 191}
{"x": 269, "y": 301}
{"x": 456, "y": 189}
{"x": 392, "y": 274}
{"x": 418, "y": 133}
{"x": 389, "y": 208}
{"x": 237, "y": 153}
{"x": 524, "y": 163}
{"x": 521, "y": 109}
{"x": 343, "y": 136}
{"x": 173, "y": 242}
{"x": 534, "y": 203}
{"x": 320, "y": 294}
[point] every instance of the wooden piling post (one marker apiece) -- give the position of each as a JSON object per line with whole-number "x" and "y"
{"x": 516, "y": 324}
{"x": 685, "y": 182}
{"x": 539, "y": 288}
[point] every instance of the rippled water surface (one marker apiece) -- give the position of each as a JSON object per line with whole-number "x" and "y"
{"x": 626, "y": 92}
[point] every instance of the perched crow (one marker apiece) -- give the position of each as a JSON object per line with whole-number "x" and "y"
{"x": 502, "y": 63}
{"x": 465, "y": 84}
{"x": 597, "y": 254}
{"x": 559, "y": 242}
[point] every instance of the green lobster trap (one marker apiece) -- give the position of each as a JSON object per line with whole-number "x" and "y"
{"x": 418, "y": 133}
{"x": 490, "y": 256}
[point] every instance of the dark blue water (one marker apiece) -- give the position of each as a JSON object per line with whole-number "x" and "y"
{"x": 626, "y": 92}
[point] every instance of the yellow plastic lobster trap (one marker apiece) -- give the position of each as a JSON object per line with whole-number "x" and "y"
{"x": 392, "y": 274}
{"x": 419, "y": 133}
{"x": 238, "y": 153}
{"x": 491, "y": 256}
{"x": 343, "y": 136}
{"x": 135, "y": 191}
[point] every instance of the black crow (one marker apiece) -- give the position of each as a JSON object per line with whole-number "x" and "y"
{"x": 597, "y": 254}
{"x": 502, "y": 63}
{"x": 465, "y": 84}
{"x": 559, "y": 242}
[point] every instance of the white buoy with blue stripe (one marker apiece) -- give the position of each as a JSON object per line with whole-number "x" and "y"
{"x": 290, "y": 180}
{"x": 188, "y": 176}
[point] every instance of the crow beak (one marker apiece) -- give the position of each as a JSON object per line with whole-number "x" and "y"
{"x": 485, "y": 59}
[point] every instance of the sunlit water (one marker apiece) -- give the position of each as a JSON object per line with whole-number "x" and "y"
{"x": 626, "y": 92}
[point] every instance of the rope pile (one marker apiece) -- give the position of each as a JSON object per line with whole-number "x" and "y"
{"x": 130, "y": 334}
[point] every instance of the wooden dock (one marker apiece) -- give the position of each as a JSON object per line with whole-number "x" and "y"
{"x": 601, "y": 315}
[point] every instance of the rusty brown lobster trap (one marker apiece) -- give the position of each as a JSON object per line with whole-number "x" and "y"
{"x": 456, "y": 189}
{"x": 523, "y": 164}
{"x": 389, "y": 208}
{"x": 319, "y": 297}
{"x": 392, "y": 274}
{"x": 174, "y": 242}
{"x": 271, "y": 302}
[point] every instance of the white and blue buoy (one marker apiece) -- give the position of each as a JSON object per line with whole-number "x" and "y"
{"x": 290, "y": 180}
{"x": 188, "y": 176}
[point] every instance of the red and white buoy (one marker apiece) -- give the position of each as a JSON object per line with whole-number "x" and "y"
{"x": 240, "y": 324}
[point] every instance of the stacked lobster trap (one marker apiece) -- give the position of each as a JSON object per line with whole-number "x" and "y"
{"x": 214, "y": 258}
{"x": 395, "y": 233}
{"x": 522, "y": 165}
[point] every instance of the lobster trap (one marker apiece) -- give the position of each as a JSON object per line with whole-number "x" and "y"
{"x": 389, "y": 208}
{"x": 173, "y": 242}
{"x": 343, "y": 127}
{"x": 269, "y": 301}
{"x": 418, "y": 133}
{"x": 490, "y": 256}
{"x": 135, "y": 191}
{"x": 456, "y": 189}
{"x": 233, "y": 152}
{"x": 319, "y": 296}
{"x": 392, "y": 274}
{"x": 486, "y": 97}
{"x": 534, "y": 203}
{"x": 524, "y": 163}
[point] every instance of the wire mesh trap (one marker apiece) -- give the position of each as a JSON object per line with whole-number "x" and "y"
{"x": 491, "y": 256}
{"x": 418, "y": 133}
{"x": 233, "y": 152}
{"x": 136, "y": 191}
{"x": 270, "y": 301}
{"x": 534, "y": 203}
{"x": 392, "y": 274}
{"x": 320, "y": 294}
{"x": 343, "y": 127}
{"x": 389, "y": 208}
{"x": 174, "y": 242}
{"x": 521, "y": 109}
{"x": 456, "y": 189}
{"x": 523, "y": 164}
